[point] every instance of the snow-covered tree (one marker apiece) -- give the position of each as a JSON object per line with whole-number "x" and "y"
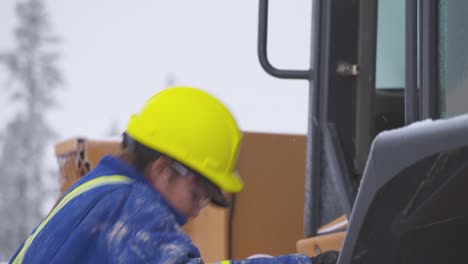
{"x": 33, "y": 79}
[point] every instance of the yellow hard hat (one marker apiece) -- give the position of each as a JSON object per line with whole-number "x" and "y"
{"x": 195, "y": 129}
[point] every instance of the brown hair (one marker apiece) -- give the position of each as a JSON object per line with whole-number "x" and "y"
{"x": 142, "y": 156}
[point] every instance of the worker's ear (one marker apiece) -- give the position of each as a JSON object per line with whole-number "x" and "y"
{"x": 159, "y": 171}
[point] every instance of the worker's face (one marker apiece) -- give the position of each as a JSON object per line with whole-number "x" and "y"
{"x": 179, "y": 186}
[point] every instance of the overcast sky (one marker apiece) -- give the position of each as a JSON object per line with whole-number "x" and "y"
{"x": 116, "y": 53}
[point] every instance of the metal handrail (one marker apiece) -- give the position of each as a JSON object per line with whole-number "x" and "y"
{"x": 262, "y": 50}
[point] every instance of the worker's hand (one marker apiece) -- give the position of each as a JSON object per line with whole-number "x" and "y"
{"x": 329, "y": 257}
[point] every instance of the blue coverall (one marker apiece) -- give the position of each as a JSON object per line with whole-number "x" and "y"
{"x": 120, "y": 223}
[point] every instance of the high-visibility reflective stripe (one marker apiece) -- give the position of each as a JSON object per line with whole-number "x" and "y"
{"x": 221, "y": 262}
{"x": 100, "y": 181}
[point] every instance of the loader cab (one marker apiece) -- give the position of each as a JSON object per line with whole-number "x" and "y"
{"x": 377, "y": 65}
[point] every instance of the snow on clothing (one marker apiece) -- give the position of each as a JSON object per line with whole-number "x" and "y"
{"x": 120, "y": 223}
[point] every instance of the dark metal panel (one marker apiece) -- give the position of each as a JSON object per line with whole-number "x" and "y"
{"x": 411, "y": 49}
{"x": 340, "y": 96}
{"x": 312, "y": 177}
{"x": 332, "y": 101}
{"x": 365, "y": 87}
{"x": 429, "y": 62}
{"x": 343, "y": 187}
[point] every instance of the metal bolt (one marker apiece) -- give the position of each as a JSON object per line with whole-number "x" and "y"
{"x": 345, "y": 69}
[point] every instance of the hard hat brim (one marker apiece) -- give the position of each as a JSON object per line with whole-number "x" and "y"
{"x": 217, "y": 196}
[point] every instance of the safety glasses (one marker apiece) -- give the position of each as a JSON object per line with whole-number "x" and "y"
{"x": 200, "y": 192}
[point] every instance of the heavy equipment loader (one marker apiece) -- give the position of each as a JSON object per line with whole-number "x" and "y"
{"x": 381, "y": 175}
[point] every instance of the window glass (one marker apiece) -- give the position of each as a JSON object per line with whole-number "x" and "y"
{"x": 453, "y": 57}
{"x": 390, "y": 68}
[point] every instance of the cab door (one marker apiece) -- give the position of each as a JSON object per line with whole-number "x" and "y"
{"x": 330, "y": 183}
